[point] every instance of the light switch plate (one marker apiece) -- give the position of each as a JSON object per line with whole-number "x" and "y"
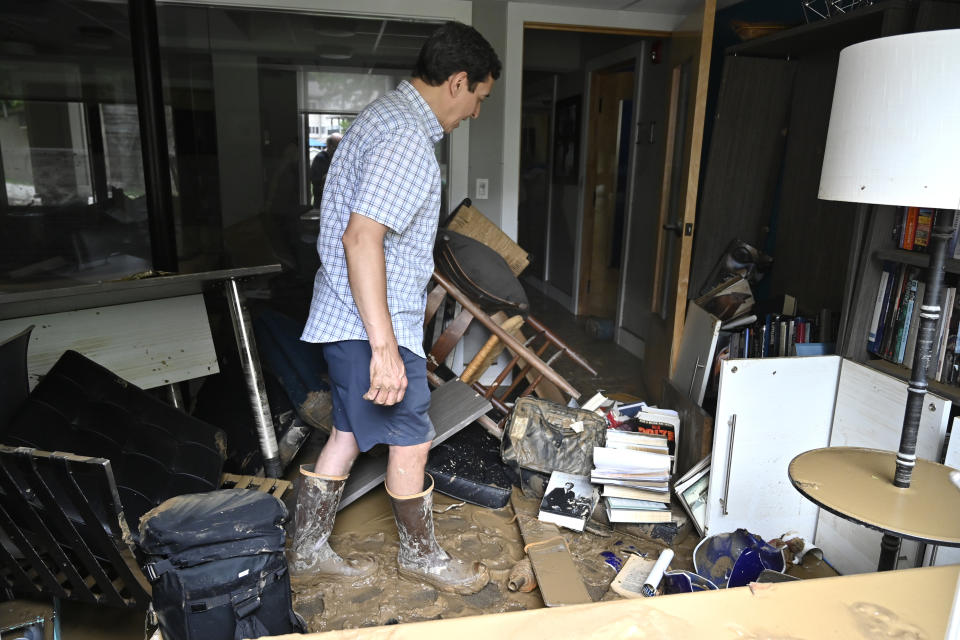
{"x": 481, "y": 191}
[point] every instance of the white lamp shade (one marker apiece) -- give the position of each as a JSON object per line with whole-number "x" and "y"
{"x": 894, "y": 134}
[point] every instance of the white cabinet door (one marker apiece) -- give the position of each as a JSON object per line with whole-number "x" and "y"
{"x": 869, "y": 413}
{"x": 769, "y": 410}
{"x": 938, "y": 556}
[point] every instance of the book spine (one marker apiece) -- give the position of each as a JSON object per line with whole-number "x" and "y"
{"x": 921, "y": 238}
{"x": 909, "y": 229}
{"x": 882, "y": 292}
{"x": 889, "y": 327}
{"x": 943, "y": 333}
{"x": 903, "y": 328}
{"x": 914, "y": 324}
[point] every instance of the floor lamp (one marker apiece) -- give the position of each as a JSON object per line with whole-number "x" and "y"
{"x": 894, "y": 139}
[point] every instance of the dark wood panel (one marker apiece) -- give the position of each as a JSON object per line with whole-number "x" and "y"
{"x": 812, "y": 236}
{"x": 744, "y": 159}
{"x": 932, "y": 16}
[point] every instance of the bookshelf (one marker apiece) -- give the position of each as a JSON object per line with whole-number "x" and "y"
{"x": 913, "y": 258}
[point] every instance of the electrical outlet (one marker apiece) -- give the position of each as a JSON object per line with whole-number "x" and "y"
{"x": 481, "y": 191}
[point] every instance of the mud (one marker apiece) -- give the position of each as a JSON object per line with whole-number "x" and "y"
{"x": 366, "y": 527}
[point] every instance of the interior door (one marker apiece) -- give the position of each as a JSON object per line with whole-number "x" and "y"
{"x": 610, "y": 117}
{"x": 661, "y": 238}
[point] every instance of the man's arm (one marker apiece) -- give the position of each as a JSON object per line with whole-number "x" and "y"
{"x": 367, "y": 271}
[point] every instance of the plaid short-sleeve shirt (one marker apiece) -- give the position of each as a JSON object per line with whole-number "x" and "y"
{"x": 385, "y": 169}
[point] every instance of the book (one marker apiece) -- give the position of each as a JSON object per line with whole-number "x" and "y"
{"x": 620, "y": 439}
{"x": 632, "y": 576}
{"x": 896, "y": 295}
{"x": 882, "y": 323}
{"x": 909, "y": 228}
{"x": 921, "y": 238}
{"x": 628, "y": 461}
{"x": 914, "y": 323}
{"x": 568, "y": 500}
{"x": 692, "y": 494}
{"x": 637, "y": 516}
{"x": 878, "y": 305}
{"x": 903, "y": 320}
{"x": 618, "y": 491}
{"x": 631, "y": 503}
{"x": 645, "y": 484}
{"x": 942, "y": 336}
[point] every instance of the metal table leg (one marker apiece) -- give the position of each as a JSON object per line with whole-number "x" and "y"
{"x": 250, "y": 361}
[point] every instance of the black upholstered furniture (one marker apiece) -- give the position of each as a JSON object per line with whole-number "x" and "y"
{"x": 156, "y": 451}
{"x": 14, "y": 388}
{"x": 63, "y": 532}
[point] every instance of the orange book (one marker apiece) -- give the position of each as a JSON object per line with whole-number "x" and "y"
{"x": 909, "y": 228}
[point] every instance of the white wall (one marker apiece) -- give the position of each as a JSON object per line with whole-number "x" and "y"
{"x": 486, "y": 142}
{"x": 519, "y": 13}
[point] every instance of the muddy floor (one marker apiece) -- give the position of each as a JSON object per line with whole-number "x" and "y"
{"x": 490, "y": 535}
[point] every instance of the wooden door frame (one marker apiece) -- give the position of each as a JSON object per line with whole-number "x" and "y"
{"x": 634, "y": 53}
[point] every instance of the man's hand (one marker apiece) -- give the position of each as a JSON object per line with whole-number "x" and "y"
{"x": 388, "y": 377}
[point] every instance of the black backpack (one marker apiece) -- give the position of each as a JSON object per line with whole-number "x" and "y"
{"x": 217, "y": 566}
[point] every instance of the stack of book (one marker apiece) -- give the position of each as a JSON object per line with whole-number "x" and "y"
{"x": 634, "y": 469}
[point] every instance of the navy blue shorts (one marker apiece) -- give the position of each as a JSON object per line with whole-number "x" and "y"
{"x": 406, "y": 423}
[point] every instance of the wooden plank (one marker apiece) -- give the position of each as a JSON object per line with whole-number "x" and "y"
{"x": 453, "y": 406}
{"x": 274, "y": 486}
{"x": 869, "y": 413}
{"x": 149, "y": 343}
{"x": 916, "y": 601}
{"x": 559, "y": 581}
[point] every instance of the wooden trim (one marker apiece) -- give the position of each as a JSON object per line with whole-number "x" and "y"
{"x": 666, "y": 184}
{"x": 616, "y": 31}
{"x": 693, "y": 174}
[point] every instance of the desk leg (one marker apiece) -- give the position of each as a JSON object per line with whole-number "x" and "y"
{"x": 250, "y": 361}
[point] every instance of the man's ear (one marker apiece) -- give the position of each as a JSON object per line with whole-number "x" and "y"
{"x": 459, "y": 83}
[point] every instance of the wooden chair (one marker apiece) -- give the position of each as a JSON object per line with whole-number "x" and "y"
{"x": 527, "y": 353}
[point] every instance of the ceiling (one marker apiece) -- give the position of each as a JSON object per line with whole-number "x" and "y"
{"x": 678, "y": 7}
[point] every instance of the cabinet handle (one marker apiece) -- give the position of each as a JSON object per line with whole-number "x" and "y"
{"x": 725, "y": 501}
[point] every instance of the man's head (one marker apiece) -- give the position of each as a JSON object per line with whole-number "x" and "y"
{"x": 456, "y": 47}
{"x": 458, "y": 67}
{"x": 569, "y": 486}
{"x": 332, "y": 141}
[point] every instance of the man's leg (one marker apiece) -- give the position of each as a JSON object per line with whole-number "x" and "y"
{"x": 338, "y": 454}
{"x": 421, "y": 557}
{"x": 405, "y": 468}
{"x": 318, "y": 496}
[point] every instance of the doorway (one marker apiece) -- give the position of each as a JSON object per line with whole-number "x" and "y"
{"x": 605, "y": 193}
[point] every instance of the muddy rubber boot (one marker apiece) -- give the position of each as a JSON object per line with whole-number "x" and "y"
{"x": 310, "y": 553}
{"x": 421, "y": 557}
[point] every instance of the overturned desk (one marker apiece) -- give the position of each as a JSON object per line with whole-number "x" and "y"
{"x": 151, "y": 332}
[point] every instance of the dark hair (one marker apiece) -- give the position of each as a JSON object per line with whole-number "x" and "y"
{"x": 456, "y": 47}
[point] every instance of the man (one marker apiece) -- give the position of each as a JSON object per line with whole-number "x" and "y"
{"x": 379, "y": 220}
{"x": 562, "y": 500}
{"x": 321, "y": 165}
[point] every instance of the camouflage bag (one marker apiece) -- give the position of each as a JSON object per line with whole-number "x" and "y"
{"x": 545, "y": 436}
